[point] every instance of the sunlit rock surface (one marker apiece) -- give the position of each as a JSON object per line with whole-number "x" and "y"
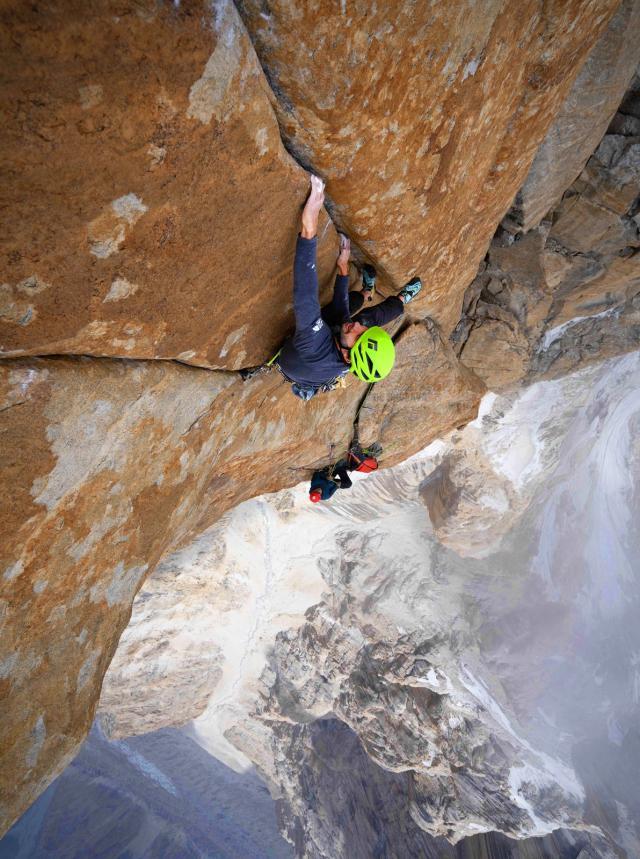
{"x": 152, "y": 210}
{"x": 428, "y": 393}
{"x": 111, "y": 465}
{"x": 498, "y": 678}
{"x": 153, "y": 206}
{"x": 424, "y": 117}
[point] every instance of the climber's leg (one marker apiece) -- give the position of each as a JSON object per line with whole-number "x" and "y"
{"x": 382, "y": 313}
{"x": 356, "y": 300}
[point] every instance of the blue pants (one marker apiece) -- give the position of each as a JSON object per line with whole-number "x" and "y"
{"x": 379, "y": 314}
{"x": 310, "y": 357}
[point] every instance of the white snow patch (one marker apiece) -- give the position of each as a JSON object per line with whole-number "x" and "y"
{"x": 550, "y": 771}
{"x": 276, "y": 589}
{"x": 485, "y": 408}
{"x": 516, "y": 444}
{"x": 559, "y": 330}
{"x": 437, "y": 681}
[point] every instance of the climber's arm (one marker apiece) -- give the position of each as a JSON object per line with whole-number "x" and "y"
{"x": 337, "y": 311}
{"x": 306, "y": 304}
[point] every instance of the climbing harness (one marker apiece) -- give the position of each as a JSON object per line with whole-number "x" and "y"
{"x": 250, "y": 372}
{"x": 299, "y": 389}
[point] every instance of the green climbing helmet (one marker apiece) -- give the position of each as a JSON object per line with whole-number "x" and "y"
{"x": 372, "y": 355}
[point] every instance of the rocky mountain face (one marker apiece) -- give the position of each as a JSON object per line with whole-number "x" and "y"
{"x": 401, "y": 677}
{"x": 159, "y": 795}
{"x": 565, "y": 293}
{"x": 424, "y": 117}
{"x": 581, "y": 121}
{"x": 155, "y": 172}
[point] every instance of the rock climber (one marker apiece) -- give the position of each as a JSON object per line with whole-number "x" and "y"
{"x": 326, "y": 481}
{"x": 328, "y": 343}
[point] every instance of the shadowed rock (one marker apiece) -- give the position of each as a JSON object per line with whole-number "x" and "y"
{"x": 583, "y": 118}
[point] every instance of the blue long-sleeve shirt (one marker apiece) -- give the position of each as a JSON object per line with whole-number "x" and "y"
{"x": 311, "y": 356}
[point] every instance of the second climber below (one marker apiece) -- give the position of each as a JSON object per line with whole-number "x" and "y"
{"x": 328, "y": 343}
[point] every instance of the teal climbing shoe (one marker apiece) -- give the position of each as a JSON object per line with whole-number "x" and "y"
{"x": 369, "y": 280}
{"x": 410, "y": 290}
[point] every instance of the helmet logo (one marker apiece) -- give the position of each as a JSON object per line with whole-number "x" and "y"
{"x": 372, "y": 355}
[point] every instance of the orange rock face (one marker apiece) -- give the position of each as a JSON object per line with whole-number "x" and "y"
{"x": 566, "y": 293}
{"x": 583, "y": 118}
{"x": 105, "y": 466}
{"x": 153, "y": 212}
{"x": 428, "y": 394}
{"x": 423, "y": 117}
{"x": 108, "y": 465}
{"x": 150, "y": 198}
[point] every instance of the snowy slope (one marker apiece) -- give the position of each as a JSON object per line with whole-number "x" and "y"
{"x": 471, "y": 615}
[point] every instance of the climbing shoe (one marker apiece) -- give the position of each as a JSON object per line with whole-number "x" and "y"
{"x": 368, "y": 280}
{"x": 410, "y": 290}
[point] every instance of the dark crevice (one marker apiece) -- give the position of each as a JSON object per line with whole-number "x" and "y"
{"x": 128, "y": 359}
{"x": 303, "y": 158}
{"x": 12, "y": 406}
{"x": 194, "y": 422}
